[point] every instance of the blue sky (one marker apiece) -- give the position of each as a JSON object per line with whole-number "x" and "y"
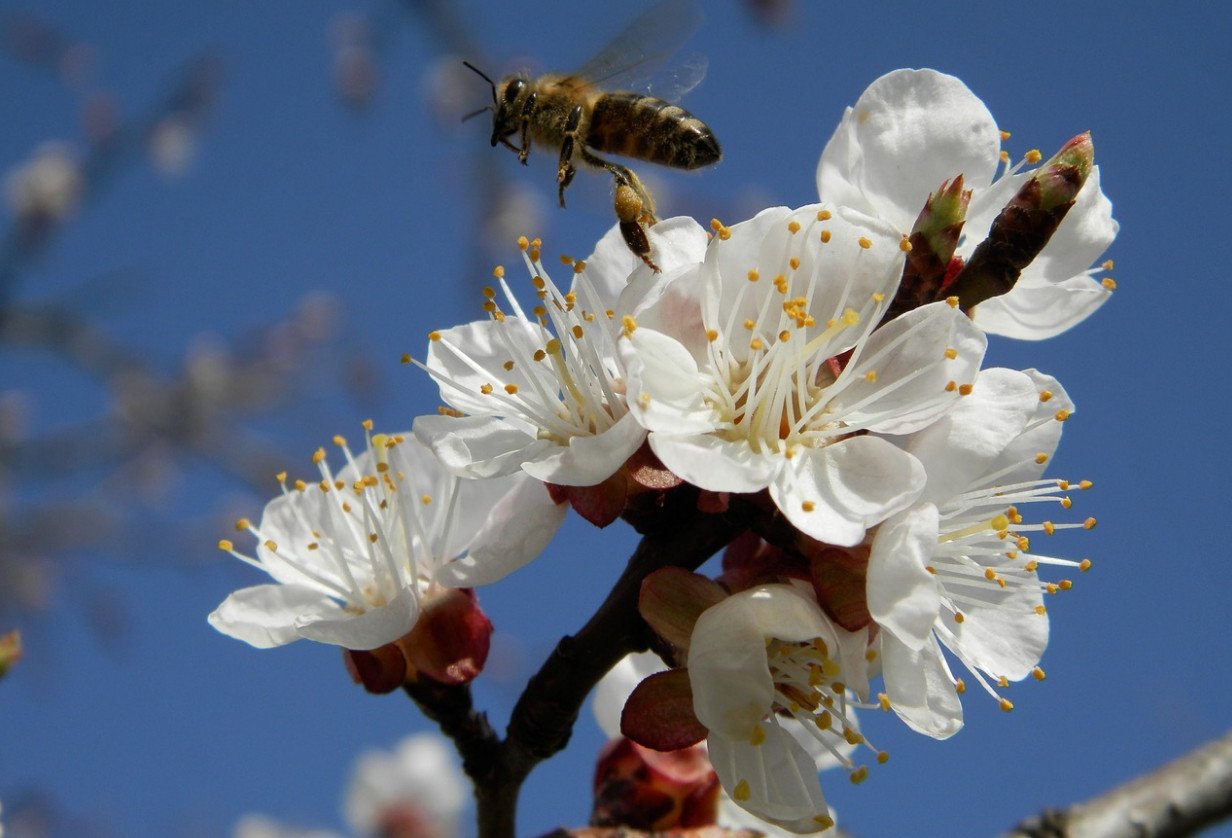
{"x": 172, "y": 729}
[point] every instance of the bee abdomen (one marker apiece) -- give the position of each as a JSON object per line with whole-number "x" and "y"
{"x": 647, "y": 128}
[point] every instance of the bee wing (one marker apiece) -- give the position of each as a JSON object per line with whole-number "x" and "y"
{"x": 637, "y": 58}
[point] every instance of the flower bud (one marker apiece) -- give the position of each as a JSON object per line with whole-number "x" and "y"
{"x": 1026, "y": 224}
{"x": 932, "y": 242}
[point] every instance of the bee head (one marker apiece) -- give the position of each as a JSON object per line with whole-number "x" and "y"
{"x": 503, "y": 123}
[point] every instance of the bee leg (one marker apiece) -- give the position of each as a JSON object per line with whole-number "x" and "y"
{"x": 629, "y": 211}
{"x": 565, "y": 170}
{"x": 528, "y": 110}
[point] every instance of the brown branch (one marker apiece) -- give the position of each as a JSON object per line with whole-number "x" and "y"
{"x": 1182, "y": 798}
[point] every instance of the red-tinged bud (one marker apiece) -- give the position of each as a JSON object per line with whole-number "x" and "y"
{"x": 839, "y": 576}
{"x": 600, "y": 504}
{"x": 659, "y": 712}
{"x": 379, "y": 671}
{"x": 10, "y": 651}
{"x": 671, "y": 600}
{"x": 1025, "y": 226}
{"x": 450, "y": 640}
{"x": 639, "y": 788}
{"x": 930, "y": 248}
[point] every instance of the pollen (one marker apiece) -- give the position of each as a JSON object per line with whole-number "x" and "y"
{"x": 485, "y": 389}
{"x": 225, "y": 545}
{"x": 499, "y": 271}
{"x": 951, "y": 353}
{"x": 958, "y": 617}
{"x": 1088, "y": 524}
{"x": 577, "y": 331}
{"x": 904, "y": 244}
{"x": 579, "y": 266}
{"x": 960, "y": 686}
{"x": 859, "y": 775}
{"x": 340, "y": 440}
{"x": 871, "y": 375}
{"x": 318, "y": 456}
{"x": 1006, "y": 705}
{"x": 825, "y": 236}
{"x": 784, "y": 336}
{"x": 1005, "y": 135}
{"x": 952, "y": 302}
{"x": 793, "y": 227}
{"x": 1005, "y": 156}
{"x": 756, "y": 345}
{"x": 1109, "y": 283}
{"x": 794, "y": 262}
{"x": 1041, "y": 610}
{"x": 951, "y": 386}
{"x": 271, "y": 545}
{"x": 511, "y": 389}
{"x": 1041, "y": 458}
{"x": 1033, "y": 156}
{"x": 1045, "y": 395}
{"x": 523, "y": 243}
{"x": 243, "y": 524}
{"x": 712, "y": 335}
{"x": 1062, "y": 415}
{"x": 754, "y": 275}
{"x": 741, "y": 792}
{"x": 1038, "y": 674}
{"x": 566, "y": 260}
{"x": 852, "y": 736}
{"x": 1084, "y": 565}
{"x": 808, "y": 506}
{"x": 823, "y": 215}
{"x": 1085, "y": 484}
{"x": 406, "y": 357}
{"x": 1049, "y": 527}
{"x": 965, "y": 389}
{"x": 865, "y": 242}
{"x": 824, "y": 721}
{"x": 883, "y": 701}
{"x": 629, "y": 324}
{"x": 1066, "y": 503}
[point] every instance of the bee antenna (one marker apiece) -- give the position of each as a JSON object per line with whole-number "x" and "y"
{"x": 476, "y": 113}
{"x": 486, "y": 78}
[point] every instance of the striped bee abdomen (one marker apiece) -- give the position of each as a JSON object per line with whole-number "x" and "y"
{"x": 646, "y": 128}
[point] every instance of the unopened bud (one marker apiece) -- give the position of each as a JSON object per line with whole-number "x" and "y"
{"x": 1026, "y": 224}
{"x": 932, "y": 242}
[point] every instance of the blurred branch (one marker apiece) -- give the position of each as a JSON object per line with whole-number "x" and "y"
{"x": 1182, "y": 798}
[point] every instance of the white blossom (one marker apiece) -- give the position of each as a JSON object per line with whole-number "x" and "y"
{"x": 910, "y": 131}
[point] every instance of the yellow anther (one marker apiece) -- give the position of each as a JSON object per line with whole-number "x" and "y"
{"x": 1066, "y": 503}
{"x": 1109, "y": 283}
{"x": 1045, "y": 395}
{"x": 271, "y": 545}
{"x": 870, "y": 655}
{"x": 499, "y": 271}
{"x": 1003, "y": 682}
{"x": 715, "y": 224}
{"x": 952, "y": 302}
{"x": 643, "y": 399}
{"x": 741, "y": 792}
{"x": 300, "y": 485}
{"x": 951, "y": 353}
{"x": 577, "y": 331}
{"x": 960, "y": 686}
{"x": 965, "y": 389}
{"x": 756, "y": 345}
{"x": 724, "y": 234}
{"x": 539, "y": 355}
{"x": 1085, "y": 484}
{"x": 523, "y": 243}
{"x": 931, "y": 569}
{"x": 1031, "y": 566}
{"x": 629, "y": 324}
{"x": 824, "y": 721}
{"x": 579, "y": 266}
{"x": 1041, "y": 610}
{"x": 1062, "y": 415}
{"x": 784, "y": 336}
{"x": 1088, "y": 524}
{"x": 754, "y": 275}
{"x": 884, "y": 701}
{"x": 712, "y": 335}
{"x": 1006, "y": 705}
{"x": 823, "y": 215}
{"x": 1033, "y": 156}
{"x": 793, "y": 226}
{"x": 1005, "y": 135}
{"x": 958, "y": 617}
{"x": 825, "y": 235}
{"x": 850, "y": 317}
{"x": 1041, "y": 458}
{"x": 883, "y": 757}
{"x": 852, "y": 736}
{"x": 865, "y": 242}
{"x": 951, "y": 386}
{"x": 1108, "y": 264}
{"x": 1051, "y": 588}
{"x": 1049, "y": 527}
{"x": 1024, "y": 543}
{"x": 990, "y": 574}
{"x": 999, "y": 522}
{"x": 904, "y": 244}
{"x": 1038, "y": 674}
{"x": 1065, "y": 584}
{"x": 339, "y": 440}
{"x": 485, "y": 389}
{"x": 538, "y": 282}
{"x": 511, "y": 389}
{"x": 878, "y": 297}
{"x": 1004, "y": 155}
{"x": 1084, "y": 565}
{"x": 566, "y": 260}
{"x": 758, "y": 736}
{"x": 243, "y": 524}
{"x": 490, "y": 307}
{"x": 225, "y": 545}
{"x": 318, "y": 456}
{"x": 859, "y": 775}
{"x": 823, "y": 822}
{"x": 794, "y": 262}
{"x": 871, "y": 375}
{"x": 750, "y": 324}
{"x": 281, "y": 477}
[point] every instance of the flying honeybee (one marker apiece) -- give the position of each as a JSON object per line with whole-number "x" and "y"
{"x": 585, "y": 112}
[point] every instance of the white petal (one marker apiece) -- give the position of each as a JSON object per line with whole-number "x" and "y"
{"x": 961, "y": 446}
{"x": 1035, "y": 313}
{"x": 732, "y": 688}
{"x": 589, "y": 460}
{"x": 264, "y": 615}
{"x": 909, "y": 387}
{"x": 666, "y": 389}
{"x": 903, "y": 597}
{"x": 781, "y": 775}
{"x": 1042, "y": 436}
{"x": 716, "y": 465}
{"x": 489, "y": 346}
{"x": 909, "y": 131}
{"x": 372, "y": 629}
{"x": 516, "y": 531}
{"x": 675, "y": 243}
{"x": 920, "y": 688}
{"x": 846, "y": 488}
{"x": 479, "y": 446}
{"x": 1004, "y": 637}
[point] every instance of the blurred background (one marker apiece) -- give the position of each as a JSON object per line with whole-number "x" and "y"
{"x": 223, "y": 223}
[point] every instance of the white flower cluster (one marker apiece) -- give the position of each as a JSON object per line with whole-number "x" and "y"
{"x": 763, "y": 360}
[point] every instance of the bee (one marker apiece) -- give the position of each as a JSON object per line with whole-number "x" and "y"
{"x": 582, "y": 113}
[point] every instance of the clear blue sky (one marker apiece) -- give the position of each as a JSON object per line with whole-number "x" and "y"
{"x": 175, "y": 730}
